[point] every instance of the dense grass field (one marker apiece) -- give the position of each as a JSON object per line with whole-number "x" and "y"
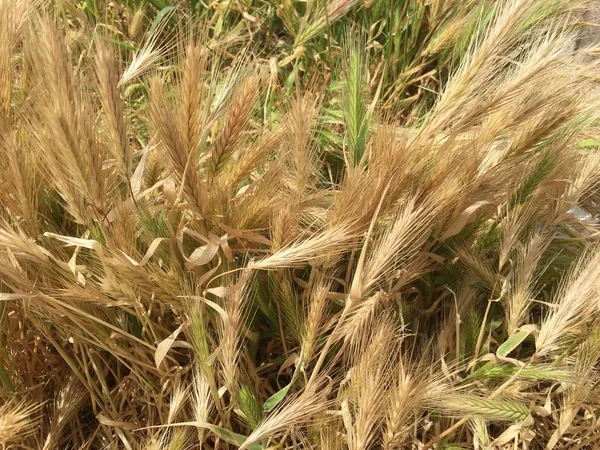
{"x": 299, "y": 224}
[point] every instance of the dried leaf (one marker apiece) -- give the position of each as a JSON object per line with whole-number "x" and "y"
{"x": 151, "y": 250}
{"x": 163, "y": 348}
{"x": 203, "y": 255}
{"x": 78, "y": 242}
{"x": 458, "y": 223}
{"x": 115, "y": 423}
{"x": 224, "y": 291}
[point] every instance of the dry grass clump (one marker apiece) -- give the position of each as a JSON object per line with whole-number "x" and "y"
{"x": 194, "y": 254}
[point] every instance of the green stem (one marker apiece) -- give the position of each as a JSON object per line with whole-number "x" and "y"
{"x": 5, "y": 378}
